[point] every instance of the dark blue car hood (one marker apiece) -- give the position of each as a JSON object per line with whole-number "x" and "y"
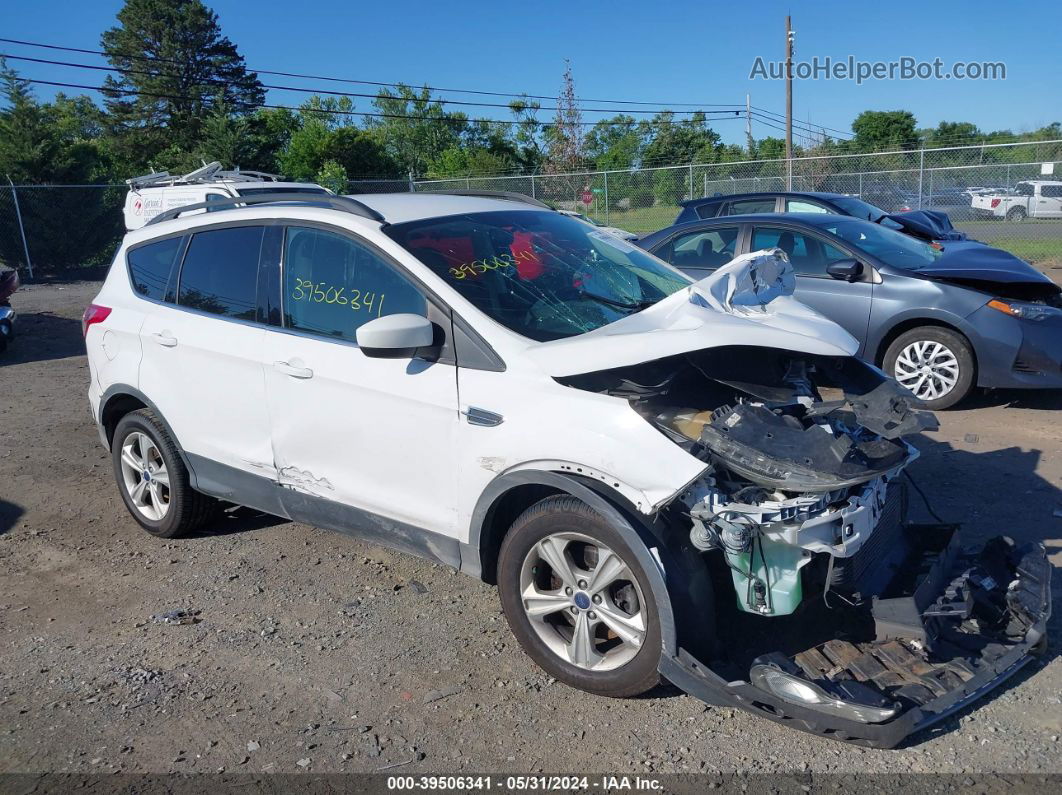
{"x": 926, "y": 224}
{"x": 993, "y": 270}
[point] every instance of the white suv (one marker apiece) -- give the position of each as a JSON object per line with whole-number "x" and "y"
{"x": 644, "y": 465}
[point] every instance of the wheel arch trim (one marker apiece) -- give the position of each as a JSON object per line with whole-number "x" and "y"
{"x": 642, "y": 542}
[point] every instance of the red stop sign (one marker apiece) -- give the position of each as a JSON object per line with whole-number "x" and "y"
{"x": 588, "y": 198}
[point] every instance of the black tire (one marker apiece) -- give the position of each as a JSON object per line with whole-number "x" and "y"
{"x": 566, "y": 514}
{"x": 1016, "y": 214}
{"x": 6, "y": 335}
{"x": 952, "y": 340}
{"x": 188, "y": 509}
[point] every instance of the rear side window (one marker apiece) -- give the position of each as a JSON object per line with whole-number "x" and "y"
{"x": 706, "y": 249}
{"x": 220, "y": 272}
{"x": 150, "y": 267}
{"x": 333, "y": 285}
{"x": 751, "y": 206}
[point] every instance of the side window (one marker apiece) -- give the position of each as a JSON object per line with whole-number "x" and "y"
{"x": 809, "y": 255}
{"x": 1051, "y": 191}
{"x": 706, "y": 249}
{"x": 150, "y": 267}
{"x": 214, "y": 197}
{"x": 333, "y": 285}
{"x": 749, "y": 206}
{"x": 1023, "y": 189}
{"x": 708, "y": 210}
{"x": 220, "y": 272}
{"x": 798, "y": 206}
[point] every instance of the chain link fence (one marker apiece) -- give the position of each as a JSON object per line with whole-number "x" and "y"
{"x": 68, "y": 226}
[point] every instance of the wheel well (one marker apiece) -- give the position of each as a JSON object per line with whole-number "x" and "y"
{"x": 116, "y": 408}
{"x": 919, "y": 322}
{"x": 500, "y": 517}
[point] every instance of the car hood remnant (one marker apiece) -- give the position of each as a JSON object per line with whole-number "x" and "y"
{"x": 748, "y": 299}
{"x": 993, "y": 271}
{"x": 926, "y": 224}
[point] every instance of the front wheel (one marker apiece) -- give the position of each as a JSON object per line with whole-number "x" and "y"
{"x": 936, "y": 364}
{"x": 578, "y": 601}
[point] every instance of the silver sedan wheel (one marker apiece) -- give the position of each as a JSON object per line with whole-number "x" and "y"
{"x": 144, "y": 475}
{"x": 583, "y": 601}
{"x": 928, "y": 368}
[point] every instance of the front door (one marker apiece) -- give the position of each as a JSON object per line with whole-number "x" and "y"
{"x": 376, "y": 435}
{"x": 845, "y": 303}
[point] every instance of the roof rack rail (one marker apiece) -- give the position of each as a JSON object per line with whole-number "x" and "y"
{"x": 498, "y": 194}
{"x": 344, "y": 203}
{"x": 208, "y": 172}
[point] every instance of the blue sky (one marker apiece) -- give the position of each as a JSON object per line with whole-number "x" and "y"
{"x": 657, "y": 52}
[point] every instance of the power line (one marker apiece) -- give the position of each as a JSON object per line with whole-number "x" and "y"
{"x": 304, "y": 90}
{"x": 331, "y": 111}
{"x": 514, "y": 95}
{"x": 780, "y": 117}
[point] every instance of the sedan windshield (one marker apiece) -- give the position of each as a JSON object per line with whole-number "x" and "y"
{"x": 542, "y": 274}
{"x": 891, "y": 247}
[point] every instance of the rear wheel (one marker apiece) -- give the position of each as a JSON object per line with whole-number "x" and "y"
{"x": 153, "y": 480}
{"x": 936, "y": 364}
{"x": 578, "y": 601}
{"x": 1016, "y": 214}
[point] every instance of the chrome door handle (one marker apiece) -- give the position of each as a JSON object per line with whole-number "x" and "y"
{"x": 294, "y": 371}
{"x": 165, "y": 340}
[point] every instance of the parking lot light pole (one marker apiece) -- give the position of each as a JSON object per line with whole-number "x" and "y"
{"x": 788, "y": 104}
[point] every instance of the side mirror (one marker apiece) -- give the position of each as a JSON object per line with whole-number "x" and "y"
{"x": 395, "y": 336}
{"x": 848, "y": 269}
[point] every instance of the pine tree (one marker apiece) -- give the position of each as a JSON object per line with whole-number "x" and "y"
{"x": 565, "y": 153}
{"x": 176, "y": 65}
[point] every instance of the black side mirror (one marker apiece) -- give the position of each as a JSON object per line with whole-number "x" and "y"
{"x": 848, "y": 269}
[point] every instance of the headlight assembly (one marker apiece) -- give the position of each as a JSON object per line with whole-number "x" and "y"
{"x": 1023, "y": 310}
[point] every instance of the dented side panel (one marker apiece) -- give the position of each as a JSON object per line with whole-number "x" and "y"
{"x": 376, "y": 434}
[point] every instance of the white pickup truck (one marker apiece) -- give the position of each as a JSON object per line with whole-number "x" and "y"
{"x": 1036, "y": 198}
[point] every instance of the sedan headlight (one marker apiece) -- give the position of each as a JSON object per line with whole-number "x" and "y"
{"x": 1023, "y": 310}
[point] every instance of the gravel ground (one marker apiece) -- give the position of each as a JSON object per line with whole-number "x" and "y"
{"x": 314, "y": 652}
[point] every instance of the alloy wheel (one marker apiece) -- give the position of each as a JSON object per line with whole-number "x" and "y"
{"x": 583, "y": 601}
{"x": 145, "y": 477}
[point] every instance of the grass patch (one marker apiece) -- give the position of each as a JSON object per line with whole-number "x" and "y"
{"x": 1040, "y": 252}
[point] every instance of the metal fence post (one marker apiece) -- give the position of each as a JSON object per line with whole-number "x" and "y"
{"x": 606, "y": 199}
{"x": 468, "y": 181}
{"x": 533, "y": 196}
{"x": 690, "y": 194}
{"x": 412, "y": 184}
{"x": 921, "y": 173}
{"x": 21, "y": 228}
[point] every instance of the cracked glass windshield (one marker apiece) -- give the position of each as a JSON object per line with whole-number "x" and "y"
{"x": 542, "y": 274}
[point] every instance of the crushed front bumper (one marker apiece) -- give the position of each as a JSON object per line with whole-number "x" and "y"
{"x": 961, "y": 627}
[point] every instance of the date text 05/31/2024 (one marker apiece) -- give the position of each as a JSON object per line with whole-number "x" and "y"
{"x": 540, "y": 783}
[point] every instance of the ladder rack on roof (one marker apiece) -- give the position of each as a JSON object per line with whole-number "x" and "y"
{"x": 209, "y": 172}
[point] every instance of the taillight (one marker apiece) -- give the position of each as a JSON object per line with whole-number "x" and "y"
{"x": 995, "y": 203}
{"x": 94, "y": 313}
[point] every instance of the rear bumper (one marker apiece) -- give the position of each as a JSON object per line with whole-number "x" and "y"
{"x": 957, "y": 675}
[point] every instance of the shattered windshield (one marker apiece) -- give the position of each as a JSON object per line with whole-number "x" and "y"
{"x": 891, "y": 247}
{"x": 542, "y": 274}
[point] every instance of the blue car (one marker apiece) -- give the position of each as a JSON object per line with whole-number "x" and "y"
{"x": 940, "y": 320}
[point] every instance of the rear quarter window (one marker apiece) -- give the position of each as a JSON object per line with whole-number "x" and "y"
{"x": 150, "y": 267}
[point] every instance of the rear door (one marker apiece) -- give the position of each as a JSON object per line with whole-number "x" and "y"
{"x": 699, "y": 253}
{"x": 845, "y": 303}
{"x": 1049, "y": 203}
{"x": 202, "y": 349}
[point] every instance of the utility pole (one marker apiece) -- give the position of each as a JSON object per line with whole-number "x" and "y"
{"x": 749, "y": 142}
{"x": 788, "y": 104}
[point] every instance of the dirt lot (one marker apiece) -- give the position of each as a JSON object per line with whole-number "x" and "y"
{"x": 318, "y": 653}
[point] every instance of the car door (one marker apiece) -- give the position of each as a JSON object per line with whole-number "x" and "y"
{"x": 356, "y": 437}
{"x": 1049, "y": 202}
{"x": 846, "y": 303}
{"x": 699, "y": 253}
{"x": 202, "y": 349}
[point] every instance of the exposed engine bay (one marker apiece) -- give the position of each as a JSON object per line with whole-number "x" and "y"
{"x": 791, "y": 474}
{"x": 836, "y": 611}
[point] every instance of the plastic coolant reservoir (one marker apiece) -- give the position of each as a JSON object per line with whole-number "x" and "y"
{"x": 781, "y": 575}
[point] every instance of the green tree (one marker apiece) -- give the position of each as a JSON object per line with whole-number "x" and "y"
{"x": 883, "y": 130}
{"x": 176, "y": 65}
{"x": 47, "y": 144}
{"x": 332, "y": 176}
{"x": 416, "y": 129}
